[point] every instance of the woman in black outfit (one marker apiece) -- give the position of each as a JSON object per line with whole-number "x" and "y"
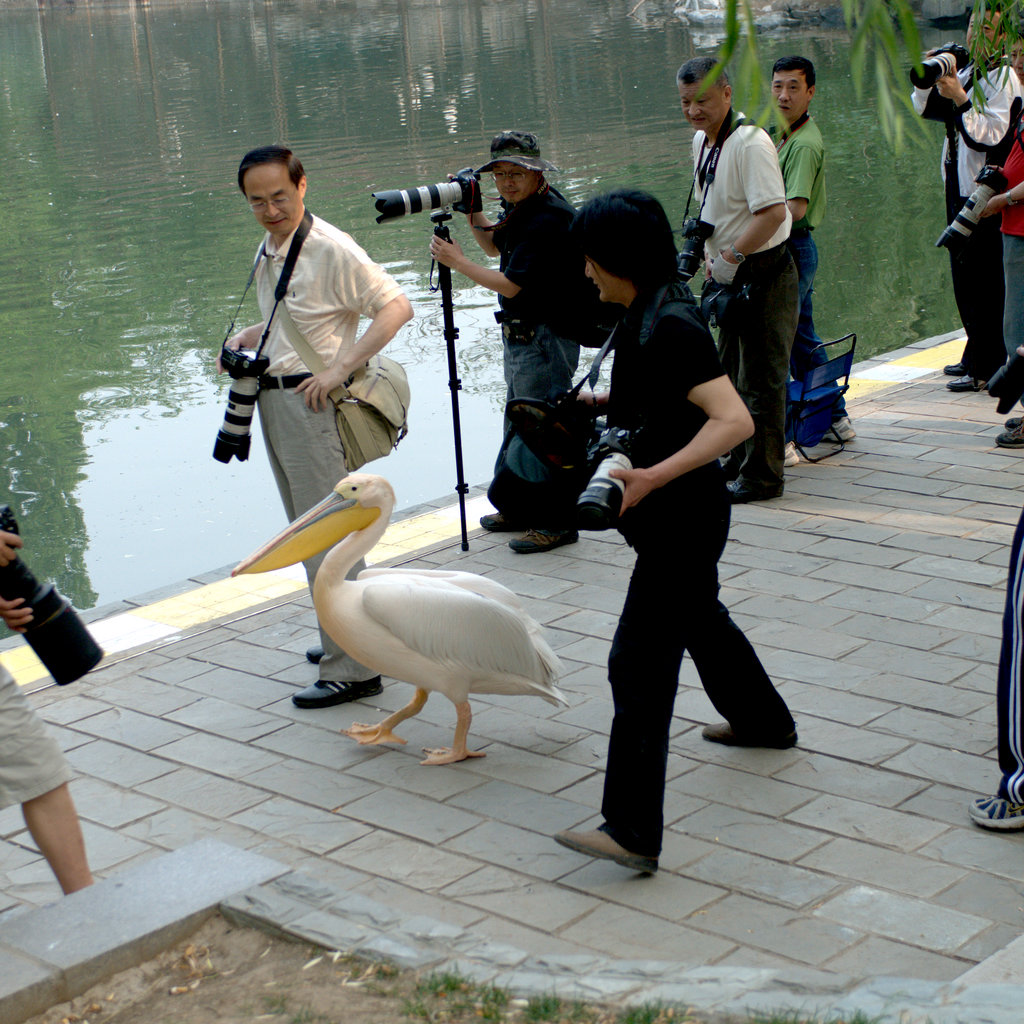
{"x": 668, "y": 388}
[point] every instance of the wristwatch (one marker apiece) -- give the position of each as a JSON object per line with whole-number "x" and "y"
{"x": 737, "y": 256}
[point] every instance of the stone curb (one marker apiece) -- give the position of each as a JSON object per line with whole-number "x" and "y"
{"x": 54, "y": 953}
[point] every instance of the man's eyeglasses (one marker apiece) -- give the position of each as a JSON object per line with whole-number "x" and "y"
{"x": 515, "y": 177}
{"x": 259, "y": 205}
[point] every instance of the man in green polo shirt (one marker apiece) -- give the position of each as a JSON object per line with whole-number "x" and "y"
{"x": 802, "y": 159}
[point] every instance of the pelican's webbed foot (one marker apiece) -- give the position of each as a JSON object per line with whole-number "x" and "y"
{"x": 372, "y": 734}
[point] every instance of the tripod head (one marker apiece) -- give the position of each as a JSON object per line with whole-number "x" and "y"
{"x": 440, "y": 218}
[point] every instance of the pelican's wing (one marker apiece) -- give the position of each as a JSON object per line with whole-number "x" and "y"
{"x": 465, "y": 580}
{"x": 461, "y": 629}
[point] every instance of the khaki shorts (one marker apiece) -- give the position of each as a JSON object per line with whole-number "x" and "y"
{"x": 31, "y": 762}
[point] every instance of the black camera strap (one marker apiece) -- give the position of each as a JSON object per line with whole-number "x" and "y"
{"x": 281, "y": 288}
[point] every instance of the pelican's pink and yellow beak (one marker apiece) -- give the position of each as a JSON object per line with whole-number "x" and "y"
{"x": 327, "y": 522}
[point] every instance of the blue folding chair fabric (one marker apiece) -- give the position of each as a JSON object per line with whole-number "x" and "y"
{"x": 811, "y": 400}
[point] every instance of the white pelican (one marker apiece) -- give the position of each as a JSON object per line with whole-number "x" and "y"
{"x": 453, "y": 632}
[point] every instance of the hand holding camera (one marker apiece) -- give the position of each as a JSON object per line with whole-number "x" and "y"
{"x": 51, "y": 626}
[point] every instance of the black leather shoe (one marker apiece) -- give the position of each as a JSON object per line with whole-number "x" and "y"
{"x": 741, "y": 493}
{"x": 315, "y": 654}
{"x": 965, "y": 383}
{"x": 954, "y": 370}
{"x": 325, "y": 694}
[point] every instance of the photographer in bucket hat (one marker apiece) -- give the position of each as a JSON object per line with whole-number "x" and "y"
{"x": 537, "y": 277}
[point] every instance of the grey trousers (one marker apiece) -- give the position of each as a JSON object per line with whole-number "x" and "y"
{"x": 307, "y": 460}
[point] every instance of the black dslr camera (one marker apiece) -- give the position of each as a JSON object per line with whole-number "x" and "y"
{"x": 56, "y": 633}
{"x": 244, "y": 368}
{"x": 696, "y": 233}
{"x": 954, "y": 238}
{"x": 946, "y": 59}
{"x": 598, "y": 507}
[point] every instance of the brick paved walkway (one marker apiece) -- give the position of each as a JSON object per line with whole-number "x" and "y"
{"x": 872, "y": 590}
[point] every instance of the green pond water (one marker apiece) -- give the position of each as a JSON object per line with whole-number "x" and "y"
{"x": 128, "y": 244}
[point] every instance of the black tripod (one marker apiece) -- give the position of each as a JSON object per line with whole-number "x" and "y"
{"x": 440, "y": 218}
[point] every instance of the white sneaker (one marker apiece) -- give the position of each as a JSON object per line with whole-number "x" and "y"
{"x": 843, "y": 429}
{"x": 792, "y": 456}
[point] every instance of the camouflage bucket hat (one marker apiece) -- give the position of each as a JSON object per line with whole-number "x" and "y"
{"x": 521, "y": 148}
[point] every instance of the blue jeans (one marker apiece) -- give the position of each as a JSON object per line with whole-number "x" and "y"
{"x": 804, "y": 357}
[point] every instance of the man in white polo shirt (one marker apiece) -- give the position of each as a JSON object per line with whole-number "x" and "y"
{"x": 739, "y": 186}
{"x": 333, "y": 284}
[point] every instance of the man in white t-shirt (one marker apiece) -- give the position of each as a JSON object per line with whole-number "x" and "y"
{"x": 739, "y": 187}
{"x": 333, "y": 284}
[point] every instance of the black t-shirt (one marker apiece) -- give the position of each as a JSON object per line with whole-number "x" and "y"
{"x": 651, "y": 378}
{"x": 537, "y": 255}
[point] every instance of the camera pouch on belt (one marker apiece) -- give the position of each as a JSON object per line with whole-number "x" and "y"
{"x": 513, "y": 331}
{"x": 371, "y": 408}
{"x": 725, "y": 306}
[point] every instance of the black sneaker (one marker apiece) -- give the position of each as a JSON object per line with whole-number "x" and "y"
{"x": 325, "y": 693}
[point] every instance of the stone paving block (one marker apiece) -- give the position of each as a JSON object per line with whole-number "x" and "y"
{"x": 959, "y": 594}
{"x": 919, "y": 693}
{"x": 837, "y": 705}
{"x": 667, "y": 894}
{"x": 424, "y": 906}
{"x": 27, "y": 987}
{"x": 861, "y": 745}
{"x": 875, "y": 578}
{"x": 743, "y": 830}
{"x": 971, "y": 847}
{"x": 901, "y": 872}
{"x": 308, "y": 784}
{"x": 119, "y": 765}
{"x": 959, "y": 569}
{"x": 941, "y": 764}
{"x": 530, "y": 770}
{"x": 218, "y": 755}
{"x": 227, "y": 719}
{"x": 743, "y": 789}
{"x": 758, "y": 876}
{"x": 411, "y": 815}
{"x": 300, "y": 825}
{"x": 917, "y": 664}
{"x": 942, "y": 803}
{"x": 764, "y": 925}
{"x": 173, "y": 826}
{"x": 317, "y": 745}
{"x": 518, "y": 849}
{"x": 941, "y": 729}
{"x": 394, "y": 949}
{"x": 831, "y": 643}
{"x": 860, "y": 820}
{"x": 420, "y": 866}
{"x": 763, "y": 581}
{"x": 814, "y": 614}
{"x": 69, "y": 710}
{"x": 622, "y": 931}
{"x": 875, "y": 956}
{"x": 517, "y": 805}
{"x": 128, "y": 918}
{"x": 902, "y": 918}
{"x": 533, "y": 902}
{"x": 144, "y": 695}
{"x": 987, "y": 896}
{"x": 896, "y": 631}
{"x": 192, "y": 789}
{"x": 132, "y": 729}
